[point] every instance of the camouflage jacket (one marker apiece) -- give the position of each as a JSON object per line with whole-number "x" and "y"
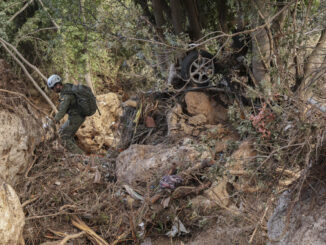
{"x": 67, "y": 104}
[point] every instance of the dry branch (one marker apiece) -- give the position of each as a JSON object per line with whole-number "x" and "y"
{"x": 52, "y": 20}
{"x": 29, "y": 75}
{"x": 72, "y": 236}
{"x": 92, "y": 235}
{"x": 23, "y": 59}
{"x": 317, "y": 55}
{"x": 261, "y": 221}
{"x": 119, "y": 238}
{"x": 24, "y": 97}
{"x": 30, "y": 201}
{"x": 20, "y": 11}
{"x": 183, "y": 191}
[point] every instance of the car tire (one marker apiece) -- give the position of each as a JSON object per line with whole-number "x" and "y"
{"x": 199, "y": 67}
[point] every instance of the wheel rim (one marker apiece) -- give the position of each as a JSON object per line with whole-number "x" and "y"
{"x": 201, "y": 70}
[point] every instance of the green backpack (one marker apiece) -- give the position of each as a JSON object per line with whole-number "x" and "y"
{"x": 85, "y": 98}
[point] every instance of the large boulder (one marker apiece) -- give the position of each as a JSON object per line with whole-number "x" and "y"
{"x": 20, "y": 126}
{"x": 20, "y": 134}
{"x": 139, "y": 162}
{"x": 98, "y": 130}
{"x": 12, "y": 216}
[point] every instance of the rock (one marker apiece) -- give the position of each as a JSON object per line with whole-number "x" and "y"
{"x": 241, "y": 157}
{"x": 219, "y": 112}
{"x": 97, "y": 130}
{"x": 12, "y": 216}
{"x": 51, "y": 243}
{"x": 302, "y": 223}
{"x": 180, "y": 124}
{"x": 131, "y": 103}
{"x": 140, "y": 162}
{"x": 202, "y": 204}
{"x": 200, "y": 103}
{"x": 177, "y": 123}
{"x": 20, "y": 134}
{"x": 221, "y": 134}
{"x": 222, "y": 233}
{"x": 185, "y": 128}
{"x": 238, "y": 165}
{"x": 276, "y": 223}
{"x": 173, "y": 118}
{"x": 199, "y": 119}
{"x": 222, "y": 145}
{"x": 219, "y": 193}
{"x": 218, "y": 131}
{"x": 149, "y": 122}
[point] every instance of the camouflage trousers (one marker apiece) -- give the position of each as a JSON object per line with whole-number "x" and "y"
{"x": 68, "y": 131}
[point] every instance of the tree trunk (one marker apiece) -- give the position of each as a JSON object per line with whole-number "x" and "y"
{"x": 147, "y": 12}
{"x": 87, "y": 74}
{"x": 195, "y": 29}
{"x": 314, "y": 67}
{"x": 166, "y": 11}
{"x": 317, "y": 56}
{"x": 223, "y": 15}
{"x": 261, "y": 47}
{"x": 176, "y": 12}
{"x": 158, "y": 14}
{"x": 159, "y": 19}
{"x": 260, "y": 55}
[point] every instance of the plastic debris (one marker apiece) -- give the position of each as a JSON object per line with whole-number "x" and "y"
{"x": 288, "y": 127}
{"x": 170, "y": 181}
{"x": 142, "y": 228}
{"x": 177, "y": 228}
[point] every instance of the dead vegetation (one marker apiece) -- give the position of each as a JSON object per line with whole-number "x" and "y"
{"x": 60, "y": 188}
{"x": 73, "y": 197}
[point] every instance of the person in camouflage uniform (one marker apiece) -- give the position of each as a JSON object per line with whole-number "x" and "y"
{"x": 68, "y": 104}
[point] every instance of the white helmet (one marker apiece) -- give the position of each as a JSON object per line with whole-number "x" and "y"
{"x": 53, "y": 80}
